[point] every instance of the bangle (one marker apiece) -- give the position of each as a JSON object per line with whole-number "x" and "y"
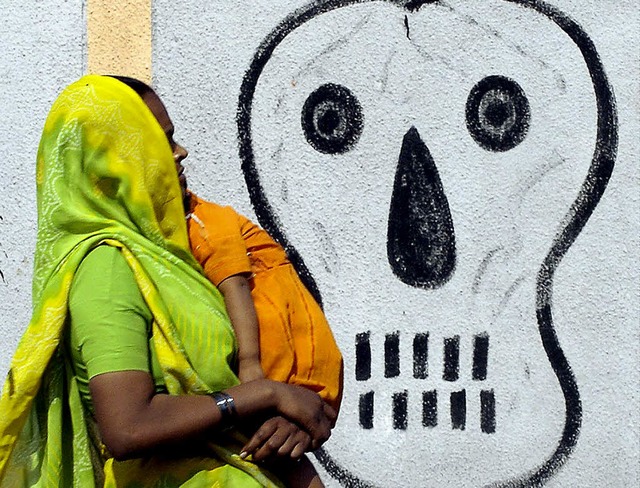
{"x": 227, "y": 407}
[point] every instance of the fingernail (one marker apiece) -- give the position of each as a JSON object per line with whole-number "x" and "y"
{"x": 243, "y": 454}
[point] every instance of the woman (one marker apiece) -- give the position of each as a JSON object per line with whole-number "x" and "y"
{"x": 124, "y": 375}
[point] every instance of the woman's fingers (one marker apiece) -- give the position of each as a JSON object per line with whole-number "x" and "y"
{"x": 305, "y": 408}
{"x": 296, "y": 445}
{"x": 277, "y": 437}
{"x": 331, "y": 414}
{"x": 300, "y": 448}
{"x": 319, "y": 429}
{"x": 271, "y": 446}
{"x": 262, "y": 435}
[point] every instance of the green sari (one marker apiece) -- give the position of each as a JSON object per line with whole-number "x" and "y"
{"x": 105, "y": 175}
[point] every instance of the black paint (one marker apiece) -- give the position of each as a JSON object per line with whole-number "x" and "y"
{"x": 451, "y": 369}
{"x": 366, "y": 410}
{"x": 420, "y": 239}
{"x": 497, "y": 113}
{"x": 392, "y": 355}
{"x": 344, "y": 476}
{"x": 363, "y": 356}
{"x": 480, "y": 357}
{"x": 458, "y": 409}
{"x": 592, "y": 189}
{"x": 406, "y": 27}
{"x": 421, "y": 356}
{"x": 400, "y": 403}
{"x": 414, "y": 5}
{"x": 261, "y": 205}
{"x": 487, "y": 411}
{"x": 430, "y": 408}
{"x": 332, "y": 119}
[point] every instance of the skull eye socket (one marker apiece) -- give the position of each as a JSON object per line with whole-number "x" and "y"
{"x": 332, "y": 119}
{"x": 497, "y": 113}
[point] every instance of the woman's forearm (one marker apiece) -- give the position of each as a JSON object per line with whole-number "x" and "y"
{"x": 133, "y": 421}
{"x": 240, "y": 307}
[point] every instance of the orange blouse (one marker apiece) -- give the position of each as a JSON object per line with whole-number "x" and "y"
{"x": 296, "y": 342}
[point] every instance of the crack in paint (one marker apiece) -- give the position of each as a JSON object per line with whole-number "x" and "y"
{"x": 592, "y": 189}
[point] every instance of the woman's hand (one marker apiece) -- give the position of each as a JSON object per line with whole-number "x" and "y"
{"x": 297, "y": 404}
{"x": 308, "y": 410}
{"x": 277, "y": 438}
{"x": 134, "y": 421}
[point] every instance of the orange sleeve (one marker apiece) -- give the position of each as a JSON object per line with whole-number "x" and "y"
{"x": 216, "y": 241}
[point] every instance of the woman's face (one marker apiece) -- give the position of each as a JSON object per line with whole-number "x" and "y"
{"x": 179, "y": 153}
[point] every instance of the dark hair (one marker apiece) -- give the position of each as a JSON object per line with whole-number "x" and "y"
{"x": 140, "y": 87}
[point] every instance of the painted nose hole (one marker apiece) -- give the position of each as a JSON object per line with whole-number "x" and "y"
{"x": 421, "y": 246}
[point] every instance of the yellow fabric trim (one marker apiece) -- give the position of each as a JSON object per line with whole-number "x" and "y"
{"x": 105, "y": 174}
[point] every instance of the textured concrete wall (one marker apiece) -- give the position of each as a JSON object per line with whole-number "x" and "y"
{"x": 41, "y": 51}
{"x": 505, "y": 205}
{"x": 119, "y": 38}
{"x": 424, "y": 244}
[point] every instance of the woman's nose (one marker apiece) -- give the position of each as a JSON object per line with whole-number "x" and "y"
{"x": 179, "y": 153}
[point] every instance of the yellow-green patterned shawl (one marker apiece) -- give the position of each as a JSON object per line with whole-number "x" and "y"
{"x": 105, "y": 174}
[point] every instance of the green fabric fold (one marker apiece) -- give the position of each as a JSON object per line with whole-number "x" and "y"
{"x": 105, "y": 174}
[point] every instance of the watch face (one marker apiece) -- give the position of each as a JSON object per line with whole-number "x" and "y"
{"x": 427, "y": 165}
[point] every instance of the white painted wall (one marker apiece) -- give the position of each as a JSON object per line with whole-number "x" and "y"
{"x": 200, "y": 56}
{"x": 41, "y": 51}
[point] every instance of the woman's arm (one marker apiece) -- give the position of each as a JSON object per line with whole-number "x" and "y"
{"x": 109, "y": 325}
{"x": 133, "y": 421}
{"x": 239, "y": 303}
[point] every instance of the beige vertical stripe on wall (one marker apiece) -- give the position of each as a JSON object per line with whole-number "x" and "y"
{"x": 119, "y": 38}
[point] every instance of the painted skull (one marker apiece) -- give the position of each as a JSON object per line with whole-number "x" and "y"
{"x": 427, "y": 164}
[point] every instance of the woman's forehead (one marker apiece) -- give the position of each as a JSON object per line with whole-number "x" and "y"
{"x": 158, "y": 110}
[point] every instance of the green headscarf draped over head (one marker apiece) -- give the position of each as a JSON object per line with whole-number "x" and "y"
{"x": 106, "y": 175}
{"x": 104, "y": 166}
